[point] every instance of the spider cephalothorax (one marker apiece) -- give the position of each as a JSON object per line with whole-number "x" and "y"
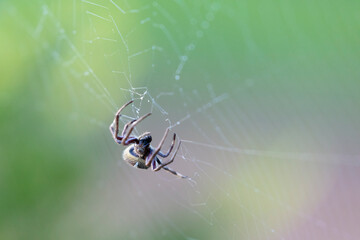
{"x": 139, "y": 153}
{"x": 143, "y": 147}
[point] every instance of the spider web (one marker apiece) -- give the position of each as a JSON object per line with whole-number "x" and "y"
{"x": 268, "y": 158}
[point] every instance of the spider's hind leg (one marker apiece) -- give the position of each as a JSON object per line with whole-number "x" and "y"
{"x": 175, "y": 172}
{"x": 152, "y": 156}
{"x": 170, "y": 161}
{"x": 161, "y": 154}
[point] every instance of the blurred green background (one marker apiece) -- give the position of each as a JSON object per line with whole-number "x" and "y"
{"x": 266, "y": 94}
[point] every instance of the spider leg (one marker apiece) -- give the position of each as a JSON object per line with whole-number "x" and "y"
{"x": 170, "y": 149}
{"x": 126, "y": 127}
{"x": 172, "y": 171}
{"x": 147, "y": 160}
{"x": 118, "y": 138}
{"x": 170, "y": 161}
{"x": 124, "y": 139}
{"x": 116, "y": 120}
{"x": 130, "y": 139}
{"x": 175, "y": 173}
{"x": 153, "y": 154}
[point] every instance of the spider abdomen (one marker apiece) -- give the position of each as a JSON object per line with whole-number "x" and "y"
{"x": 133, "y": 159}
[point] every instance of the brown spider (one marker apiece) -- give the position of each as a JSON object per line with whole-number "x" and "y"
{"x": 140, "y": 153}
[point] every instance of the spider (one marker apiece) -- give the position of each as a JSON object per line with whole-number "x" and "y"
{"x": 140, "y": 153}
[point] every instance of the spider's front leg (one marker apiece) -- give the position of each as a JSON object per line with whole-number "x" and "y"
{"x": 116, "y": 121}
{"x": 116, "y": 136}
{"x": 125, "y": 137}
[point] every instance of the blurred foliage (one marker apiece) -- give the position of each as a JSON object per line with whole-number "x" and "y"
{"x": 307, "y": 51}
